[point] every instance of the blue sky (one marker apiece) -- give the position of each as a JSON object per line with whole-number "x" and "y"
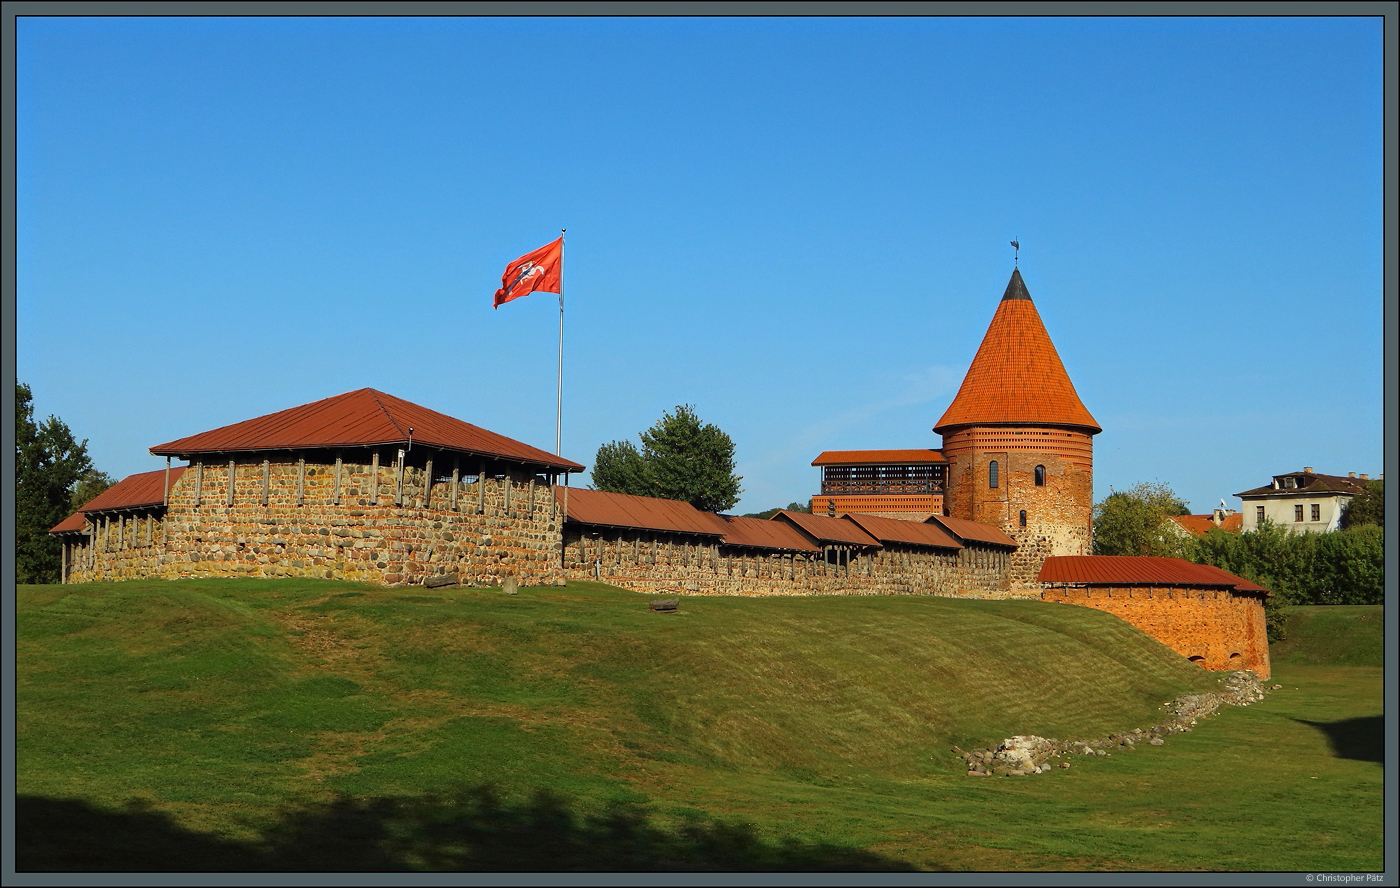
{"x": 798, "y": 226}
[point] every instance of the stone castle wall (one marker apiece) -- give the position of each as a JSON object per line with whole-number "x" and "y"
{"x": 657, "y": 562}
{"x": 1216, "y": 628}
{"x": 304, "y": 519}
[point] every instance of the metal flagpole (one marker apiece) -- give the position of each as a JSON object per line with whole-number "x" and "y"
{"x": 559, "y": 397}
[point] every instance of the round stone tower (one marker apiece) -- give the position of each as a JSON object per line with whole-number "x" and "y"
{"x": 1019, "y": 442}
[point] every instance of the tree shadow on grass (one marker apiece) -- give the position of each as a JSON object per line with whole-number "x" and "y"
{"x": 1360, "y": 738}
{"x": 473, "y": 829}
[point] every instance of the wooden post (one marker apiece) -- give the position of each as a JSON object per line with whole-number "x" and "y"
{"x": 335, "y": 491}
{"x": 301, "y": 480}
{"x": 228, "y": 500}
{"x": 398, "y": 481}
{"x": 456, "y": 478}
{"x": 150, "y": 530}
{"x": 374, "y": 479}
{"x": 427, "y": 482}
{"x": 481, "y": 489}
{"x": 505, "y": 491}
{"x": 165, "y": 493}
{"x": 530, "y": 501}
{"x": 198, "y": 483}
{"x": 267, "y": 479}
{"x": 121, "y": 532}
{"x": 63, "y": 567}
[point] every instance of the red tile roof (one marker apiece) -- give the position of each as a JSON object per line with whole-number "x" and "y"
{"x": 760, "y": 533}
{"x": 965, "y": 530}
{"x": 1138, "y": 570}
{"x": 915, "y": 456}
{"x": 894, "y": 530}
{"x": 360, "y": 418}
{"x": 138, "y": 491}
{"x": 825, "y": 529}
{"x": 72, "y": 524}
{"x": 1016, "y": 378}
{"x": 1197, "y": 525}
{"x": 598, "y": 507}
{"x": 134, "y": 491}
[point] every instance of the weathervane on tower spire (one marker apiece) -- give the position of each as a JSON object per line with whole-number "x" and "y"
{"x": 1016, "y": 258}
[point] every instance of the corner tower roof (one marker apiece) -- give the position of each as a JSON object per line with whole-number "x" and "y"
{"x": 1017, "y": 378}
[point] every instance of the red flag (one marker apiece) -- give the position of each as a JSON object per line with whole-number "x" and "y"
{"x": 536, "y": 270}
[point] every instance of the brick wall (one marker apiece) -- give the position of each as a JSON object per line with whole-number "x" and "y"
{"x": 1216, "y": 628}
{"x": 1059, "y": 513}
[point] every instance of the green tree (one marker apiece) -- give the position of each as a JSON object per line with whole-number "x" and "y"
{"x": 681, "y": 458}
{"x": 89, "y": 485}
{"x": 48, "y": 463}
{"x": 790, "y": 507}
{"x": 1134, "y": 522}
{"x": 1368, "y": 507}
{"x": 618, "y": 467}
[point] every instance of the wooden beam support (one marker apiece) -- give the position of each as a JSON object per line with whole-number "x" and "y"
{"x": 301, "y": 480}
{"x": 335, "y": 491}
{"x": 427, "y": 482}
{"x": 267, "y": 479}
{"x": 374, "y": 479}
{"x": 232, "y": 470}
{"x": 198, "y": 483}
{"x": 456, "y": 478}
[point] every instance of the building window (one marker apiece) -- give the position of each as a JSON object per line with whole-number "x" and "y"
{"x": 1023, "y": 517}
{"x": 1040, "y": 476}
{"x": 992, "y": 473}
{"x": 1316, "y": 512}
{"x": 1297, "y": 513}
{"x": 1258, "y": 514}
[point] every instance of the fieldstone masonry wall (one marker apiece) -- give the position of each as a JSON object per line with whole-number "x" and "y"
{"x": 653, "y": 562}
{"x": 296, "y": 518}
{"x": 1216, "y": 628}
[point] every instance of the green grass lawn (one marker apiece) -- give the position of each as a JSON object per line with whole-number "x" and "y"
{"x": 319, "y": 725}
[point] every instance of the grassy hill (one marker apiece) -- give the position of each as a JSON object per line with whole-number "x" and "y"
{"x": 322, "y": 725}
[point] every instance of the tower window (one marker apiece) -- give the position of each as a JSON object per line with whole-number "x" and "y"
{"x": 992, "y": 473}
{"x": 1297, "y": 513}
{"x": 1023, "y": 517}
{"x": 1040, "y": 476}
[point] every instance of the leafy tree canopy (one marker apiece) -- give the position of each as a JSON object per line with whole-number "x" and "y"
{"x": 790, "y": 507}
{"x": 49, "y": 462}
{"x": 681, "y": 458}
{"x": 1134, "y": 522}
{"x": 1366, "y": 508}
{"x": 89, "y": 485}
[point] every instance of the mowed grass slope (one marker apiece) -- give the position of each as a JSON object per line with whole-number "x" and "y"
{"x": 263, "y": 716}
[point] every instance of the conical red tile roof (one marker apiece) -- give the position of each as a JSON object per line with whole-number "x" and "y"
{"x": 360, "y": 418}
{"x": 1016, "y": 377}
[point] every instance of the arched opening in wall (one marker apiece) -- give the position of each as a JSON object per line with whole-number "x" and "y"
{"x": 992, "y": 474}
{"x": 1198, "y": 660}
{"x": 1023, "y": 517}
{"x": 1040, "y": 476}
{"x": 1236, "y": 661}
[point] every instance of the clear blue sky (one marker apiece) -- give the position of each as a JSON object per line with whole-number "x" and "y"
{"x": 798, "y": 226}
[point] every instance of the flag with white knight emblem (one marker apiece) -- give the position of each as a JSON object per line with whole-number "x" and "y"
{"x": 536, "y": 270}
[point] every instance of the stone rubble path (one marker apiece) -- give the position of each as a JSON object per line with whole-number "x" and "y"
{"x": 1024, "y": 755}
